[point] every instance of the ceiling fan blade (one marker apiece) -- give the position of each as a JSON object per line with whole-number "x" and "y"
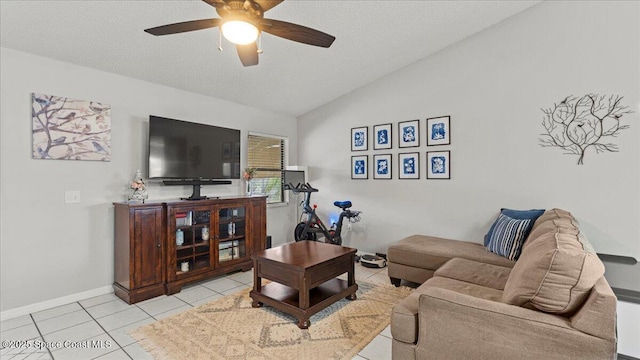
{"x": 267, "y": 4}
{"x": 184, "y": 27}
{"x": 248, "y": 54}
{"x": 297, "y": 33}
{"x": 214, "y": 3}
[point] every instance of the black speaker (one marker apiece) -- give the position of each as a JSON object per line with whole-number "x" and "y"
{"x": 268, "y": 241}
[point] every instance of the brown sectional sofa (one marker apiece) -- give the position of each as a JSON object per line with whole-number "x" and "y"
{"x": 552, "y": 303}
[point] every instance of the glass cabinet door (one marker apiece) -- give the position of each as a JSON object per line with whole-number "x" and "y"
{"x": 191, "y": 236}
{"x": 232, "y": 242}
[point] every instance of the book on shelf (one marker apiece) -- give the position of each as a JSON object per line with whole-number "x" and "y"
{"x": 184, "y": 219}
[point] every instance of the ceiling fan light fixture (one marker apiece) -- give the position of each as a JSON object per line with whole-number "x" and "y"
{"x": 239, "y": 32}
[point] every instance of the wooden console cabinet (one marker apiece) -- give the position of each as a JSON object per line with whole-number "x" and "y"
{"x": 159, "y": 247}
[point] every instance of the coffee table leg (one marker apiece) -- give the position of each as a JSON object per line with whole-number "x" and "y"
{"x": 257, "y": 280}
{"x": 304, "y": 323}
{"x": 257, "y": 283}
{"x": 351, "y": 277}
{"x": 303, "y": 292}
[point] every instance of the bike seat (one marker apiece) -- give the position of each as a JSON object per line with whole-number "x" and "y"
{"x": 342, "y": 204}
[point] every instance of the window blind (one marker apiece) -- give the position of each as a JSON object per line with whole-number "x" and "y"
{"x": 266, "y": 155}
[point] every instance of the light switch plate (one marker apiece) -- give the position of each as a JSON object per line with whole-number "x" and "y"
{"x": 72, "y": 197}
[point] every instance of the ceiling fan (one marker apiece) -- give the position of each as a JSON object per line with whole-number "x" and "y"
{"x": 242, "y": 21}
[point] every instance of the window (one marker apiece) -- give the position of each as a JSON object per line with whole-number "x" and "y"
{"x": 266, "y": 155}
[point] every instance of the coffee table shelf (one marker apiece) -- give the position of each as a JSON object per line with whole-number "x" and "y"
{"x": 319, "y": 297}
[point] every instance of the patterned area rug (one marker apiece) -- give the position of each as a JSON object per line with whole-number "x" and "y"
{"x": 229, "y": 328}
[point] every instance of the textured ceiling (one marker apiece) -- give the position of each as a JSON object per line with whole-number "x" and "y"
{"x": 373, "y": 39}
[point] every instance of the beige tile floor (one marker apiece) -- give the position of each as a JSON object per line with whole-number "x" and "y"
{"x": 106, "y": 320}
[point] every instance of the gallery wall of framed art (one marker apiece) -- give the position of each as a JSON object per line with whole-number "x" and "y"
{"x": 407, "y": 139}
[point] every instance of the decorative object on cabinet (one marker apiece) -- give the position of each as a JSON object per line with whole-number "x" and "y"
{"x": 205, "y": 233}
{"x": 382, "y": 166}
{"x": 138, "y": 188}
{"x": 409, "y": 133}
{"x": 409, "y": 165}
{"x": 439, "y": 131}
{"x": 382, "y": 137}
{"x": 575, "y": 124}
{"x": 247, "y": 175}
{"x": 438, "y": 165}
{"x": 359, "y": 138}
{"x": 179, "y": 237}
{"x": 359, "y": 167}
{"x": 70, "y": 129}
{"x": 151, "y": 259}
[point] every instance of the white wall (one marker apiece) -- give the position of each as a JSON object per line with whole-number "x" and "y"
{"x": 51, "y": 250}
{"x": 493, "y": 85}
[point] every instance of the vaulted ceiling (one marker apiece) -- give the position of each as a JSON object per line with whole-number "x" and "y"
{"x": 373, "y": 39}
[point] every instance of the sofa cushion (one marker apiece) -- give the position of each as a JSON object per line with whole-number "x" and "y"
{"x": 428, "y": 252}
{"x": 546, "y": 221}
{"x": 555, "y": 272}
{"x": 532, "y": 215}
{"x": 404, "y": 315}
{"x": 492, "y": 276}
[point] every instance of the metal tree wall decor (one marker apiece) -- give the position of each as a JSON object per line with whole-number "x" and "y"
{"x": 577, "y": 124}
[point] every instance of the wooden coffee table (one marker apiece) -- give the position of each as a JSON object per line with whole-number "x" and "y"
{"x": 304, "y": 276}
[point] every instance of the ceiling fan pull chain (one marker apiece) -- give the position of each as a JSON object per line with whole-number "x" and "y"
{"x": 260, "y": 43}
{"x": 220, "y": 40}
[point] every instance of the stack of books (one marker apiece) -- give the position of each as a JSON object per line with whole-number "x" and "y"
{"x": 184, "y": 219}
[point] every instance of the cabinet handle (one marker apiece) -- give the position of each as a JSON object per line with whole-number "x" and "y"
{"x": 158, "y": 245}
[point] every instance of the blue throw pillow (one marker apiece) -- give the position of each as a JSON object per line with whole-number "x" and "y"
{"x": 508, "y": 236}
{"x": 532, "y": 215}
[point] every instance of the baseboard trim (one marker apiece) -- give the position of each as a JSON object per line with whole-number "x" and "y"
{"x": 631, "y": 296}
{"x": 627, "y": 260}
{"x": 29, "y": 309}
{"x": 626, "y": 357}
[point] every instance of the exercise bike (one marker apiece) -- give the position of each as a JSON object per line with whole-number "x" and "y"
{"x": 309, "y": 228}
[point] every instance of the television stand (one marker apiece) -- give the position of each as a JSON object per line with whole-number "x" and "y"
{"x": 195, "y": 195}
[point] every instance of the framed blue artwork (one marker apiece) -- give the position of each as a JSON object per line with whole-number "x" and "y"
{"x": 359, "y": 138}
{"x": 409, "y": 133}
{"x": 382, "y": 134}
{"x": 359, "y": 167}
{"x": 409, "y": 166}
{"x": 439, "y": 131}
{"x": 438, "y": 165}
{"x": 382, "y": 166}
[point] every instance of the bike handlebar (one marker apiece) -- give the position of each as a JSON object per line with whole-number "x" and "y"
{"x": 305, "y": 188}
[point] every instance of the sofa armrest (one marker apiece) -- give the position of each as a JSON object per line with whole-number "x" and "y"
{"x": 457, "y": 326}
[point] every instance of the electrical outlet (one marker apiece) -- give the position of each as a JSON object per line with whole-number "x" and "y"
{"x": 72, "y": 197}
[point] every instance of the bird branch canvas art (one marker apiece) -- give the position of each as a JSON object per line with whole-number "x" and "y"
{"x": 579, "y": 123}
{"x": 70, "y": 129}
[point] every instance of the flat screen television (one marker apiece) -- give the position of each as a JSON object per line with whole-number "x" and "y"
{"x": 182, "y": 150}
